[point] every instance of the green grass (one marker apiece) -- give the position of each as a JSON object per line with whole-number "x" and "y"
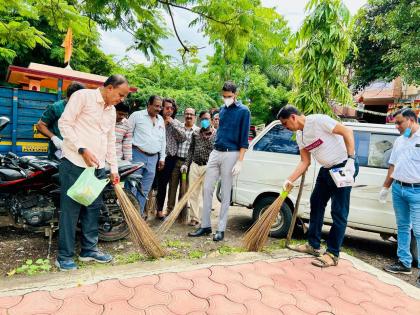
{"x": 177, "y": 244}
{"x": 226, "y": 250}
{"x": 129, "y": 258}
{"x": 195, "y": 254}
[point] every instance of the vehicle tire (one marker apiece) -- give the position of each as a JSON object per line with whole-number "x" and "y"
{"x": 283, "y": 221}
{"x": 413, "y": 249}
{"x": 119, "y": 228}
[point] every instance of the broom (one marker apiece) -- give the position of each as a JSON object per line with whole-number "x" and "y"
{"x": 183, "y": 216}
{"x": 170, "y": 219}
{"x": 256, "y": 237}
{"x": 140, "y": 232}
{"x": 295, "y": 213}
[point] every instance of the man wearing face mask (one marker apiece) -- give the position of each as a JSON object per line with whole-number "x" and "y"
{"x": 225, "y": 160}
{"x": 404, "y": 176}
{"x": 201, "y": 145}
{"x": 181, "y": 155}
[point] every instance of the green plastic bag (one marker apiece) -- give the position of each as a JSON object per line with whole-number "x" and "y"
{"x": 87, "y": 187}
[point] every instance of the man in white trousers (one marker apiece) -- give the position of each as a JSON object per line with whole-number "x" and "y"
{"x": 225, "y": 160}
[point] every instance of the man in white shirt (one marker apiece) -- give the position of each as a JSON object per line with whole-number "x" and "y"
{"x": 332, "y": 145}
{"x": 404, "y": 175}
{"x": 149, "y": 144}
{"x": 88, "y": 129}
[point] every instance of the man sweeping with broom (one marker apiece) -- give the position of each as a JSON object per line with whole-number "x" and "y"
{"x": 332, "y": 145}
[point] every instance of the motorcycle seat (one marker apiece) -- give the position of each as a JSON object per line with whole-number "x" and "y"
{"x": 7, "y": 174}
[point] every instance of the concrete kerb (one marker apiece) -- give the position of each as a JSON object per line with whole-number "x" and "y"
{"x": 55, "y": 281}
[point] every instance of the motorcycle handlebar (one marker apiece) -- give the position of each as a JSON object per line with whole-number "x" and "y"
{"x": 12, "y": 155}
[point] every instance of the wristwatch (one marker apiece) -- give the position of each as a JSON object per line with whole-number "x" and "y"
{"x": 351, "y": 156}
{"x": 81, "y": 150}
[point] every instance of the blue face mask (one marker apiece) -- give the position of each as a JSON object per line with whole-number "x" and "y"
{"x": 407, "y": 132}
{"x": 205, "y": 123}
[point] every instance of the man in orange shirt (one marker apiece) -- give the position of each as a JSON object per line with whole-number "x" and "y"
{"x": 88, "y": 129}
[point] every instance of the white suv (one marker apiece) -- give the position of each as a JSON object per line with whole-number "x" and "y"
{"x": 273, "y": 155}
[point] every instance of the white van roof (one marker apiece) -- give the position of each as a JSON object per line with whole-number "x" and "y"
{"x": 372, "y": 127}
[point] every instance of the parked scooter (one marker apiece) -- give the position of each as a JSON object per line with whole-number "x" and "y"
{"x": 30, "y": 196}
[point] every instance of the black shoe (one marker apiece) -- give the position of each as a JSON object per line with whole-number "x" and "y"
{"x": 398, "y": 267}
{"x": 418, "y": 282}
{"x": 219, "y": 236}
{"x": 200, "y": 232}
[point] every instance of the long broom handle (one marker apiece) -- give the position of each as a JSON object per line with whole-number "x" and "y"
{"x": 295, "y": 213}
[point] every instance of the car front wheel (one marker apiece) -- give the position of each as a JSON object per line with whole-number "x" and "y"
{"x": 281, "y": 226}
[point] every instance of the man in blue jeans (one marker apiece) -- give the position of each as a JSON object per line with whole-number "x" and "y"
{"x": 149, "y": 144}
{"x": 404, "y": 175}
{"x": 332, "y": 145}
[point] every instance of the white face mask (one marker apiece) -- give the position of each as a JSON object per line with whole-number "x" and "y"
{"x": 228, "y": 101}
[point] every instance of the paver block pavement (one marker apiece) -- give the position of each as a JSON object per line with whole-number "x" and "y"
{"x": 290, "y": 286}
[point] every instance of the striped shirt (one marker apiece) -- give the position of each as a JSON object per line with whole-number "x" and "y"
{"x": 124, "y": 140}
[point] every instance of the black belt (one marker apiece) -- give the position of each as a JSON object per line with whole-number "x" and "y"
{"x": 407, "y": 184}
{"x": 223, "y": 149}
{"x": 146, "y": 153}
{"x": 200, "y": 163}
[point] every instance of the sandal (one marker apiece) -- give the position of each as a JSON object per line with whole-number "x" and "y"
{"x": 323, "y": 263}
{"x": 306, "y": 249}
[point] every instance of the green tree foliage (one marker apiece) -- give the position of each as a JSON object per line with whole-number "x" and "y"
{"x": 323, "y": 43}
{"x": 386, "y": 33}
{"x": 33, "y": 30}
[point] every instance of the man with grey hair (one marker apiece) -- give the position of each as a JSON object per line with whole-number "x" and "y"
{"x": 88, "y": 129}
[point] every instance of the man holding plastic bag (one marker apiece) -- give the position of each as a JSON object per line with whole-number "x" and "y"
{"x": 88, "y": 129}
{"x": 332, "y": 145}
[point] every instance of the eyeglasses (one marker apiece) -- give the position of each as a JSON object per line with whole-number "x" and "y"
{"x": 188, "y": 114}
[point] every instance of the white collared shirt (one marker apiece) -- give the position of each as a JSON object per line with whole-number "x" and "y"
{"x": 149, "y": 137}
{"x": 405, "y": 157}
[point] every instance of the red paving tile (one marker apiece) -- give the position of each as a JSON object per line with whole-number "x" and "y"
{"x": 220, "y": 305}
{"x": 204, "y": 287}
{"x": 309, "y": 304}
{"x": 222, "y": 275}
{"x": 172, "y": 281}
{"x": 36, "y": 303}
{"x": 9, "y": 301}
{"x": 255, "y": 281}
{"x": 158, "y": 310}
{"x": 195, "y": 274}
{"x": 79, "y": 304}
{"x": 272, "y": 297}
{"x": 285, "y": 284}
{"x": 292, "y": 310}
{"x": 341, "y": 307}
{"x": 65, "y": 293}
{"x": 320, "y": 290}
{"x": 135, "y": 282}
{"x": 121, "y": 307}
{"x": 372, "y": 308}
{"x": 183, "y": 302}
{"x": 239, "y": 293}
{"x": 258, "y": 308}
{"x": 351, "y": 295}
{"x": 147, "y": 295}
{"x": 280, "y": 287}
{"x": 111, "y": 291}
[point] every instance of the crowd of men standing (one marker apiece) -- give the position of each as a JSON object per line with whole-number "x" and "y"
{"x": 92, "y": 127}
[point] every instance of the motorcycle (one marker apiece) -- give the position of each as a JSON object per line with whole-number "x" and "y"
{"x": 30, "y": 196}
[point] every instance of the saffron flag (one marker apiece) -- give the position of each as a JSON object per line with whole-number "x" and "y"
{"x": 68, "y": 45}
